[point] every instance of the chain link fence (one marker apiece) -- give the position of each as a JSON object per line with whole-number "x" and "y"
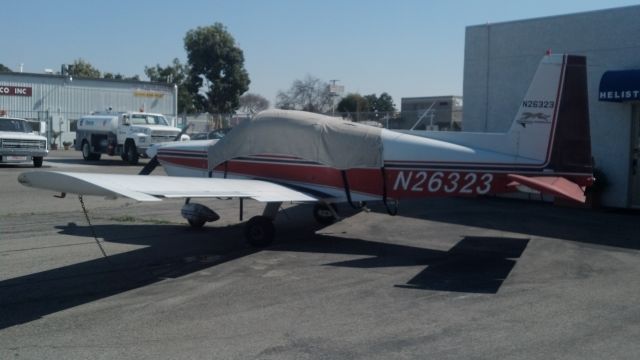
{"x": 436, "y": 120}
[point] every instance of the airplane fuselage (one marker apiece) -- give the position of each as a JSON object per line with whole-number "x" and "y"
{"x": 547, "y": 149}
{"x": 484, "y": 172}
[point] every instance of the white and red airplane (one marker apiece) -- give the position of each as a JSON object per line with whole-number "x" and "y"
{"x": 296, "y": 156}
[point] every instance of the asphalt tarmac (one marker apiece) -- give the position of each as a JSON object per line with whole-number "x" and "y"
{"x": 483, "y": 278}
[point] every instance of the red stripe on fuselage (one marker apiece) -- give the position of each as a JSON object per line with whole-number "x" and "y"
{"x": 400, "y": 183}
{"x": 189, "y": 162}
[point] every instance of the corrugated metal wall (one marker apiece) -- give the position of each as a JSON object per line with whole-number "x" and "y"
{"x": 72, "y": 98}
{"x": 62, "y": 100}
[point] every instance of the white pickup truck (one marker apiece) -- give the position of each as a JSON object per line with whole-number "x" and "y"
{"x": 127, "y": 134}
{"x": 18, "y": 142}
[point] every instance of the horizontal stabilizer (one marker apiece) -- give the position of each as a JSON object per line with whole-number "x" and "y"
{"x": 154, "y": 188}
{"x": 551, "y": 185}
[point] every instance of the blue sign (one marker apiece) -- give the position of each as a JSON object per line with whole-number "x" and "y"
{"x": 620, "y": 86}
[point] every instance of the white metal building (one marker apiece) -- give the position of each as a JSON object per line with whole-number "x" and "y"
{"x": 60, "y": 101}
{"x": 500, "y": 60}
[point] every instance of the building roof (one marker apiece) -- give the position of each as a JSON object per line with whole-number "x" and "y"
{"x": 75, "y": 78}
{"x": 591, "y": 12}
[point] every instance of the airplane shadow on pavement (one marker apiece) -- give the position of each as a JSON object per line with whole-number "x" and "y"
{"x": 476, "y": 265}
{"x": 607, "y": 227}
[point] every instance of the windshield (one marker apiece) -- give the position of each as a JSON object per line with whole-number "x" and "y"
{"x": 146, "y": 119}
{"x": 219, "y": 133}
{"x": 15, "y": 125}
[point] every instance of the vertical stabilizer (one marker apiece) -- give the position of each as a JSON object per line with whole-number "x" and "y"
{"x": 552, "y": 123}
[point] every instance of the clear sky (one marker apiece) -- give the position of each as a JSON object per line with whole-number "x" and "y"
{"x": 403, "y": 47}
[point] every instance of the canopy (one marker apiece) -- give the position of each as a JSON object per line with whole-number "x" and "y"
{"x": 619, "y": 86}
{"x": 323, "y": 139}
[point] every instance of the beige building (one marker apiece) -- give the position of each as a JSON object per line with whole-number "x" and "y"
{"x": 440, "y": 113}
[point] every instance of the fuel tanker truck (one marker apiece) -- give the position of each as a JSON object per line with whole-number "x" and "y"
{"x": 127, "y": 134}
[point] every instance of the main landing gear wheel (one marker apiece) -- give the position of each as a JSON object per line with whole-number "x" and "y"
{"x": 259, "y": 231}
{"x": 323, "y": 214}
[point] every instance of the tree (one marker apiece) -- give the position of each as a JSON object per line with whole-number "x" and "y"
{"x": 310, "y": 94}
{"x": 217, "y": 76}
{"x": 253, "y": 103}
{"x": 81, "y": 68}
{"x": 109, "y": 75}
{"x": 4, "y": 68}
{"x": 175, "y": 73}
{"x": 382, "y": 104}
{"x": 118, "y": 76}
{"x": 385, "y": 103}
{"x": 353, "y": 103}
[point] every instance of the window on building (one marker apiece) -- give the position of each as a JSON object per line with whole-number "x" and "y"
{"x": 73, "y": 125}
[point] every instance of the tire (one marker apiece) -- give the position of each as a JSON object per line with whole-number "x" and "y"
{"x": 86, "y": 151}
{"x": 323, "y": 214}
{"x": 87, "y": 154}
{"x": 196, "y": 224}
{"x": 124, "y": 157}
{"x": 259, "y": 231}
{"x": 37, "y": 161}
{"x": 132, "y": 154}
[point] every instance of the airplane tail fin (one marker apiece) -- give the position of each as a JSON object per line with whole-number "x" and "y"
{"x": 552, "y": 128}
{"x": 552, "y": 124}
{"x": 571, "y": 148}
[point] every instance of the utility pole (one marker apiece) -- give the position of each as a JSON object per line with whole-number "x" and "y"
{"x": 334, "y": 91}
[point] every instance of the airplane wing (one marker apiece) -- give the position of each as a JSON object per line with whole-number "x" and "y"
{"x": 154, "y": 188}
{"x": 552, "y": 185}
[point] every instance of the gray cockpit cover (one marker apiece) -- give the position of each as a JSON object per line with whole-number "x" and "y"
{"x": 322, "y": 139}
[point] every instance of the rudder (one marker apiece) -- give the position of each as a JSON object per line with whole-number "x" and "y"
{"x": 571, "y": 146}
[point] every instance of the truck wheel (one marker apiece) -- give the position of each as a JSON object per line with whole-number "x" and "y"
{"x": 132, "y": 154}
{"x": 87, "y": 154}
{"x": 37, "y": 161}
{"x": 86, "y": 151}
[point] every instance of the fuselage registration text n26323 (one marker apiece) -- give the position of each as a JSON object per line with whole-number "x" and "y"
{"x": 467, "y": 183}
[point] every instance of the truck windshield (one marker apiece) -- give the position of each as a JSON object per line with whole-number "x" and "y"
{"x": 144, "y": 119}
{"x": 15, "y": 125}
